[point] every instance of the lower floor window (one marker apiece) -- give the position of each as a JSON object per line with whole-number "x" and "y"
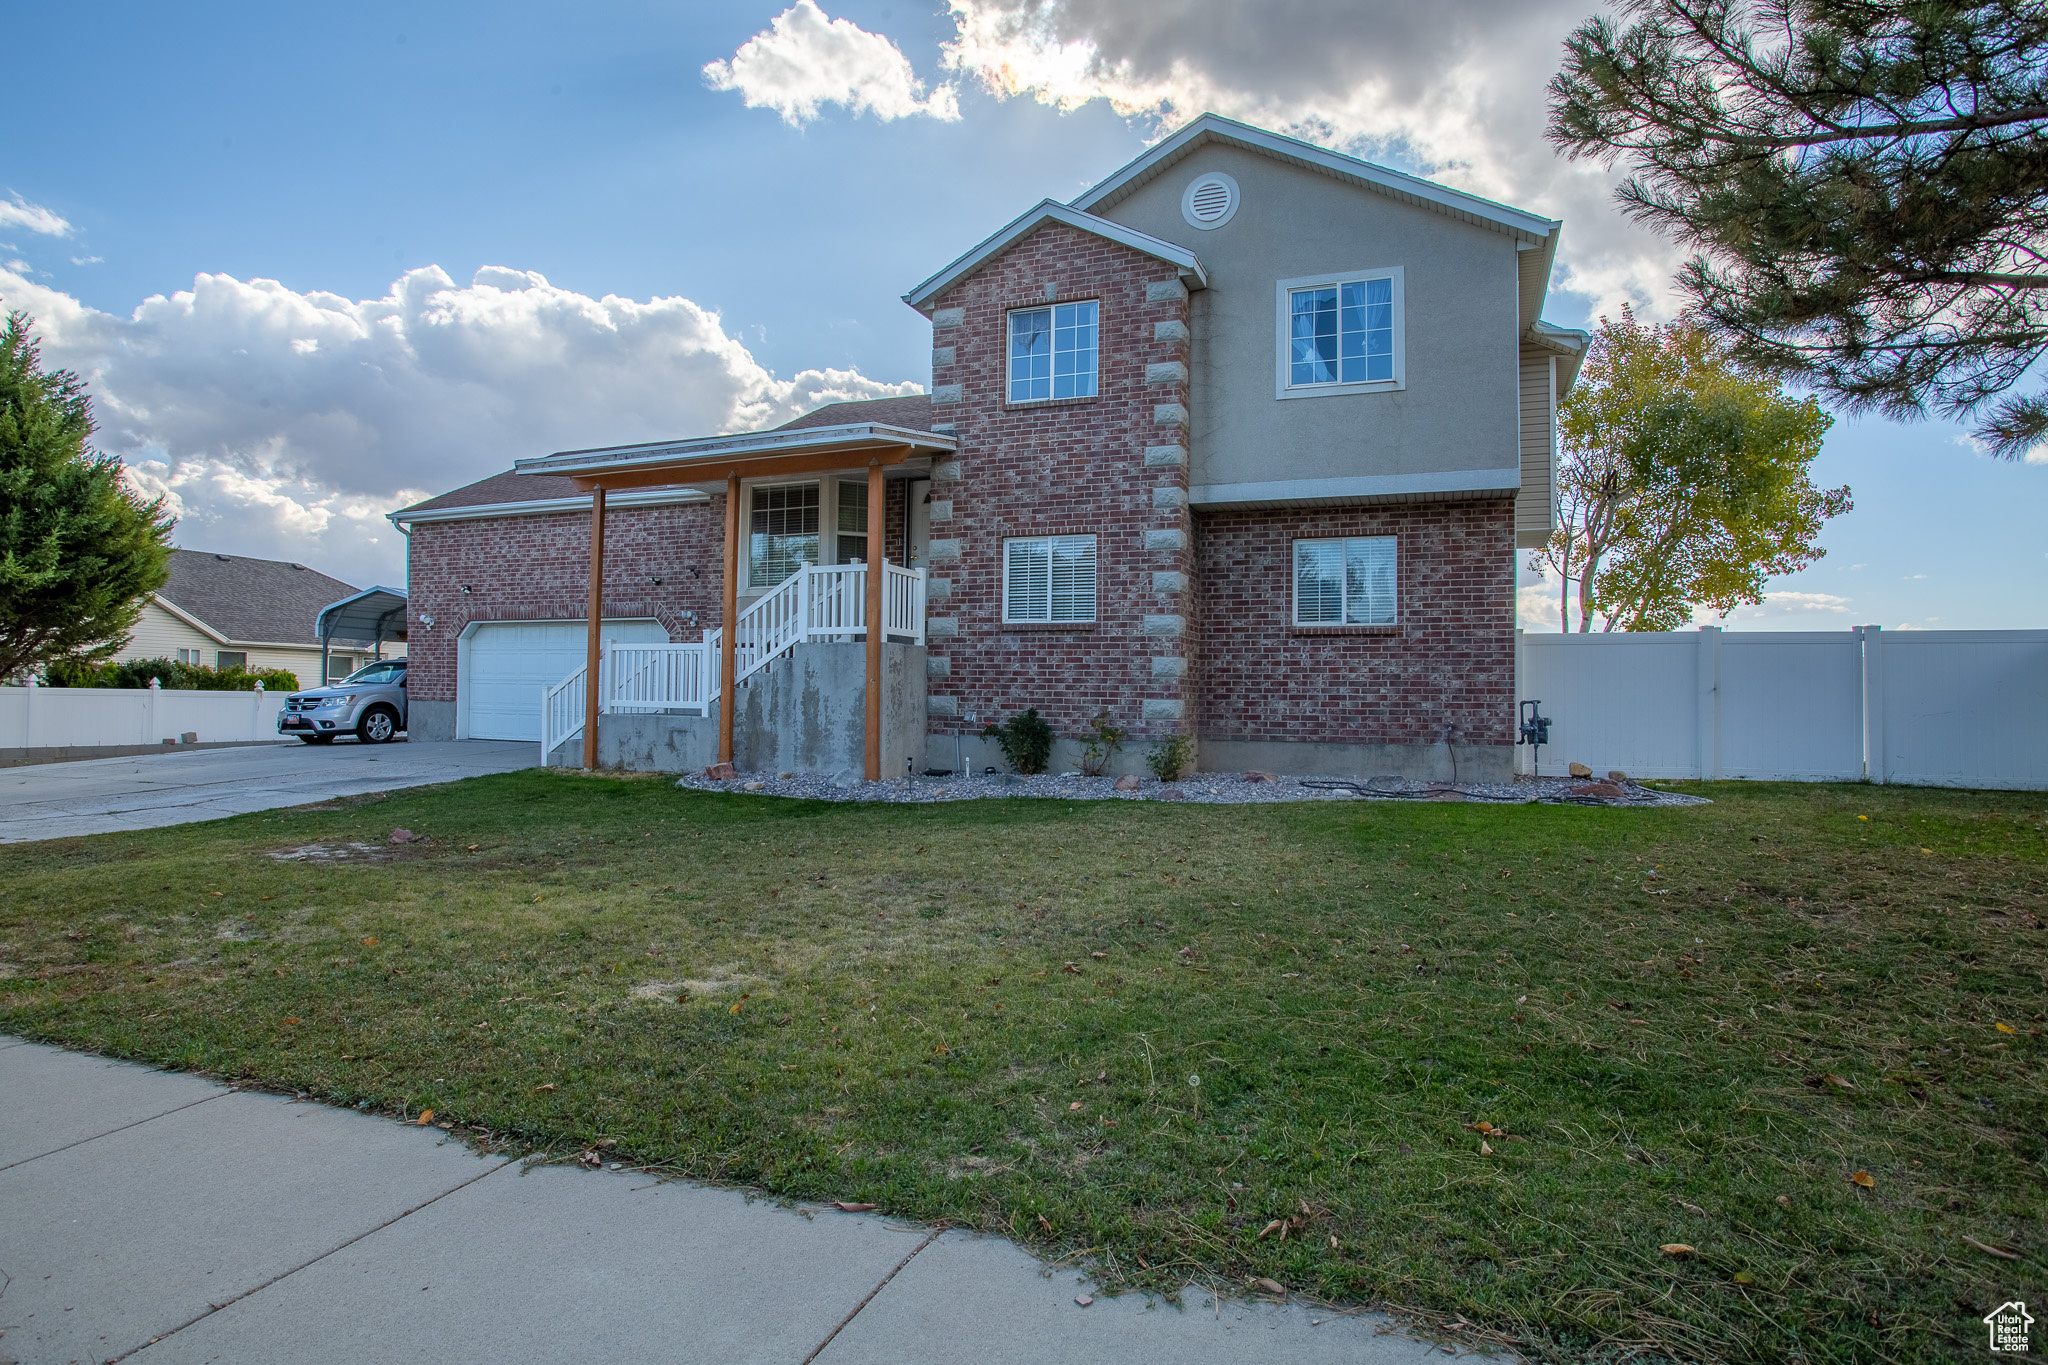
{"x": 229, "y": 658}
{"x": 1346, "y": 582}
{"x": 1049, "y": 580}
{"x": 188, "y": 656}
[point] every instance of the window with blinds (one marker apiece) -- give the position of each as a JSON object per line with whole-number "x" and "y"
{"x": 1049, "y": 580}
{"x": 782, "y": 532}
{"x": 1344, "y": 582}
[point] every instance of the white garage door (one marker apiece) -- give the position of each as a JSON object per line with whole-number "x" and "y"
{"x": 509, "y": 663}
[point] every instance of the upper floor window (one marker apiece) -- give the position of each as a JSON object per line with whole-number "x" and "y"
{"x": 1049, "y": 580}
{"x": 1340, "y": 334}
{"x": 1344, "y": 582}
{"x": 1053, "y": 352}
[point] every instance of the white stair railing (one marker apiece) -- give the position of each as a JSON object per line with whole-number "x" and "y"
{"x": 817, "y": 602}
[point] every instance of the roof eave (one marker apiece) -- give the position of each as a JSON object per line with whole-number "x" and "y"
{"x": 712, "y": 451}
{"x": 478, "y": 511}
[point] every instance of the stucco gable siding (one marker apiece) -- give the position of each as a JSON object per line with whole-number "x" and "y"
{"x": 1460, "y": 409}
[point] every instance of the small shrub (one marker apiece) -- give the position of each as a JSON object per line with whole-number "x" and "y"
{"x": 1172, "y": 759}
{"x": 170, "y": 674}
{"x": 1026, "y": 741}
{"x": 1099, "y": 744}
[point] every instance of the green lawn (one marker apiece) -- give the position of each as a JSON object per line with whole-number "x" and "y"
{"x": 1147, "y": 1032}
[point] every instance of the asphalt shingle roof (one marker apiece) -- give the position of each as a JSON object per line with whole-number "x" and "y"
{"x": 911, "y": 411}
{"x": 268, "y": 601}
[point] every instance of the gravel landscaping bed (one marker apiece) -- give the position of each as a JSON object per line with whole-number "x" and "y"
{"x": 1208, "y": 788}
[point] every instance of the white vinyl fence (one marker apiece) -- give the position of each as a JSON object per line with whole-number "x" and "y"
{"x": 1947, "y": 708}
{"x": 87, "y": 717}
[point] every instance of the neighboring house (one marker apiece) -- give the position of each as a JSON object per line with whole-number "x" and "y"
{"x": 228, "y": 611}
{"x": 1240, "y": 444}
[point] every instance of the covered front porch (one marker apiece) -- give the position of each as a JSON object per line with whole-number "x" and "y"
{"x": 814, "y": 613}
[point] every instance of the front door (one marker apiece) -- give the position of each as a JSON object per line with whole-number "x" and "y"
{"x": 918, "y": 524}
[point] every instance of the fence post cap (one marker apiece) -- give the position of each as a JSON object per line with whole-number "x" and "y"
{"x": 156, "y": 684}
{"x": 259, "y": 684}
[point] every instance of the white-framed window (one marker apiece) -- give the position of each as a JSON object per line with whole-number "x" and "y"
{"x": 1049, "y": 580}
{"x": 790, "y": 525}
{"x": 782, "y": 531}
{"x": 189, "y": 656}
{"x": 1341, "y": 334}
{"x": 852, "y": 520}
{"x": 1053, "y": 351}
{"x": 1348, "y": 582}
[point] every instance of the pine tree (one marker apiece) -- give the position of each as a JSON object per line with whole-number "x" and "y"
{"x": 78, "y": 550}
{"x": 1865, "y": 183}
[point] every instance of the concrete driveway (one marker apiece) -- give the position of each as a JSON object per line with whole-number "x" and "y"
{"x": 101, "y": 795}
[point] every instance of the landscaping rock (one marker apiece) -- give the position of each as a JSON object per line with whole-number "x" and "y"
{"x": 402, "y": 836}
{"x": 1127, "y": 783}
{"x": 1616, "y": 775}
{"x": 1604, "y": 790}
{"x": 1579, "y": 770}
{"x": 721, "y": 772}
{"x": 1257, "y": 776}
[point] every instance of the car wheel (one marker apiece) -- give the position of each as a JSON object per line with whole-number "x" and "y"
{"x": 377, "y": 726}
{"x": 317, "y": 739}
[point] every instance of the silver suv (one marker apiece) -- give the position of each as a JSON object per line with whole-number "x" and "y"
{"x": 369, "y": 704}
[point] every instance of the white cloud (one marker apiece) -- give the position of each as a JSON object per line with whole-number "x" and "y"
{"x": 286, "y": 424}
{"x": 1457, "y": 90}
{"x": 87, "y": 260}
{"x": 1536, "y": 607}
{"x": 804, "y": 60}
{"x": 34, "y": 217}
{"x": 1792, "y": 604}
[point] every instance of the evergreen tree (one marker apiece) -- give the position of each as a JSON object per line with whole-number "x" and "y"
{"x": 1865, "y": 183}
{"x": 78, "y": 550}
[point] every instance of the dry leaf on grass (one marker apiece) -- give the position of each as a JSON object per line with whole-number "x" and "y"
{"x": 426, "y": 1117}
{"x": 848, "y": 1206}
{"x": 1485, "y": 1149}
{"x": 1072, "y": 1107}
{"x": 1278, "y": 1225}
{"x": 1270, "y": 1286}
{"x": 1785, "y": 1201}
{"x": 1863, "y": 1179}
{"x": 1045, "y": 1225}
{"x": 1989, "y": 1250}
{"x": 1677, "y": 1249}
{"x": 590, "y": 1161}
{"x": 539, "y": 1088}
{"x": 2005, "y": 1028}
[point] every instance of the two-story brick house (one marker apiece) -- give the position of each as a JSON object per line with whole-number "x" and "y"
{"x": 1240, "y": 445}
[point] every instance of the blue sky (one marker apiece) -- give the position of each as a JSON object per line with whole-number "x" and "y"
{"x": 672, "y": 258}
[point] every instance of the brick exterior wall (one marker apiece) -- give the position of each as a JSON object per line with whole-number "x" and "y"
{"x": 1449, "y": 660}
{"x": 1073, "y": 466}
{"x": 537, "y": 568}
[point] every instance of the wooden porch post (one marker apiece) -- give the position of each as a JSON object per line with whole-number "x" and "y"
{"x": 876, "y": 572}
{"x": 596, "y": 625}
{"x": 728, "y": 639}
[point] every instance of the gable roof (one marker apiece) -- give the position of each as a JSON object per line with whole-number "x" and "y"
{"x": 1409, "y": 188}
{"x": 1052, "y": 211}
{"x": 249, "y": 601}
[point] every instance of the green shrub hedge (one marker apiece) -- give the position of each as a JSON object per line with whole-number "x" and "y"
{"x": 170, "y": 674}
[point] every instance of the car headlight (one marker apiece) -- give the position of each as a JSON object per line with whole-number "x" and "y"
{"x": 338, "y": 701}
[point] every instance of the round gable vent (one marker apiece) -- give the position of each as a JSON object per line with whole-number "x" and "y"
{"x": 1209, "y": 201}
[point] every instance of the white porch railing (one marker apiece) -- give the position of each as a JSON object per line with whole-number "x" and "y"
{"x": 817, "y": 602}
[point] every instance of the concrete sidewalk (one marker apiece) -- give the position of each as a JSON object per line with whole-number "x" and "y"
{"x": 164, "y": 1218}
{"x": 176, "y": 786}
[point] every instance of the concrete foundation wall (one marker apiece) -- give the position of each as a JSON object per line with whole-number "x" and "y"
{"x": 429, "y": 719}
{"x": 805, "y": 714}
